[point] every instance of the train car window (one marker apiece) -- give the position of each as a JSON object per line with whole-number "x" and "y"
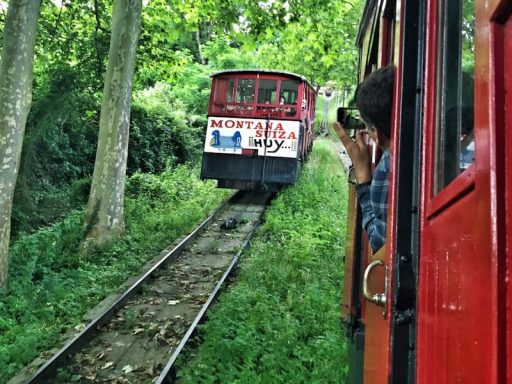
{"x": 267, "y": 91}
{"x": 245, "y": 90}
{"x": 289, "y": 91}
{"x": 223, "y": 92}
{"x": 454, "y": 100}
{"x": 288, "y": 94}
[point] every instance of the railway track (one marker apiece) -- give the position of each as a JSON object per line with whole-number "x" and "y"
{"x": 138, "y": 337}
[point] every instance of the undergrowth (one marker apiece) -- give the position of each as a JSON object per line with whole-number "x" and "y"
{"x": 52, "y": 286}
{"x": 280, "y": 322}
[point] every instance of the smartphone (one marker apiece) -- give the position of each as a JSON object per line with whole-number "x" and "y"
{"x": 349, "y": 118}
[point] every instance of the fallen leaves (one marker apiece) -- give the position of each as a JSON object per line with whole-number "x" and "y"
{"x": 108, "y": 365}
{"x": 127, "y": 369}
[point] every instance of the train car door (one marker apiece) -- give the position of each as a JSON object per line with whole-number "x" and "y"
{"x": 362, "y": 358}
{"x": 503, "y": 47}
{"x": 459, "y": 314}
{"x": 390, "y": 329}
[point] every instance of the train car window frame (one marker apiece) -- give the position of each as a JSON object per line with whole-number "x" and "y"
{"x": 226, "y": 98}
{"x": 230, "y": 93}
{"x": 450, "y": 173}
{"x": 388, "y": 33}
{"x": 245, "y": 91}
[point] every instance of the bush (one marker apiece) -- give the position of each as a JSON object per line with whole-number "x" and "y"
{"x": 60, "y": 145}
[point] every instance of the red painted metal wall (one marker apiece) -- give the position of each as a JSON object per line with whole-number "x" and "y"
{"x": 461, "y": 311}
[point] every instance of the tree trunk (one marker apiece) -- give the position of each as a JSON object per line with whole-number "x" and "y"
{"x": 15, "y": 99}
{"x": 199, "y": 47}
{"x": 104, "y": 219}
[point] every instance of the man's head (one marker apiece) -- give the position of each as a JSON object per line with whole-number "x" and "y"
{"x": 374, "y": 98}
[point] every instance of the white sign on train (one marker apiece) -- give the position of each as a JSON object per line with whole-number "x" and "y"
{"x": 231, "y": 135}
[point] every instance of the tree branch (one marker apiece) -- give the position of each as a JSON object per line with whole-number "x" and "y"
{"x": 57, "y": 22}
{"x": 199, "y": 48}
{"x": 98, "y": 27}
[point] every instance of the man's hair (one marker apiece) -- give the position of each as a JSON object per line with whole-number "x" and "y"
{"x": 374, "y": 98}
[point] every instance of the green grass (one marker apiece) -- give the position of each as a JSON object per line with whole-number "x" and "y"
{"x": 280, "y": 322}
{"x": 52, "y": 286}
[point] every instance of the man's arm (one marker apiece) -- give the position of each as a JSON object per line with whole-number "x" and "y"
{"x": 357, "y": 151}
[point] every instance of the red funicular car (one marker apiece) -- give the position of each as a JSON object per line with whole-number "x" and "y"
{"x": 260, "y": 126}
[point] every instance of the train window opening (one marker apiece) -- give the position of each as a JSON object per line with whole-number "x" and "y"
{"x": 260, "y": 97}
{"x": 372, "y": 57}
{"x": 223, "y": 94}
{"x": 454, "y": 150}
{"x": 245, "y": 90}
{"x": 267, "y": 90}
{"x": 289, "y": 92}
{"x": 220, "y": 91}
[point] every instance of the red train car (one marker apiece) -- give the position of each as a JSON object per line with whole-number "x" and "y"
{"x": 260, "y": 129}
{"x": 434, "y": 305}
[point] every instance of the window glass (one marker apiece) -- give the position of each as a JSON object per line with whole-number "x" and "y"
{"x": 245, "y": 90}
{"x": 454, "y": 150}
{"x": 288, "y": 92}
{"x": 267, "y": 91}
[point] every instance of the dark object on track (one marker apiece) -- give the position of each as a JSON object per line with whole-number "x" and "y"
{"x": 229, "y": 223}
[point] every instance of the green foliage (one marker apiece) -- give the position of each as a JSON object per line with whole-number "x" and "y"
{"x": 174, "y": 118}
{"x": 318, "y": 41}
{"x": 61, "y": 133}
{"x": 52, "y": 285}
{"x": 177, "y": 141}
{"x": 192, "y": 89}
{"x": 73, "y": 38}
{"x": 60, "y": 144}
{"x": 221, "y": 56}
{"x": 280, "y": 322}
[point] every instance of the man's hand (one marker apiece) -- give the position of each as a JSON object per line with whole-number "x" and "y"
{"x": 357, "y": 151}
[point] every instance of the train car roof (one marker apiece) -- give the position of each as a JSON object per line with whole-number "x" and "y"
{"x": 267, "y": 71}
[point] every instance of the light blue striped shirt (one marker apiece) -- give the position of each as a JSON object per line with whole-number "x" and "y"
{"x": 373, "y": 198}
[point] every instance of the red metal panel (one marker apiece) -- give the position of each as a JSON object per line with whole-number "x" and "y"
{"x": 347, "y": 308}
{"x": 377, "y": 330}
{"x": 502, "y": 65}
{"x": 507, "y": 357}
{"x": 456, "y": 337}
{"x": 459, "y": 306}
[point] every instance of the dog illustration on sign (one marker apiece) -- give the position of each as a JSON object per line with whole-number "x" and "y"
{"x": 219, "y": 141}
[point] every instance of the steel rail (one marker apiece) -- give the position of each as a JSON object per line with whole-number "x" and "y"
{"x": 169, "y": 372}
{"x": 74, "y": 345}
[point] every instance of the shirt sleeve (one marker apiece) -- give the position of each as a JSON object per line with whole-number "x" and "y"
{"x": 375, "y": 227}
